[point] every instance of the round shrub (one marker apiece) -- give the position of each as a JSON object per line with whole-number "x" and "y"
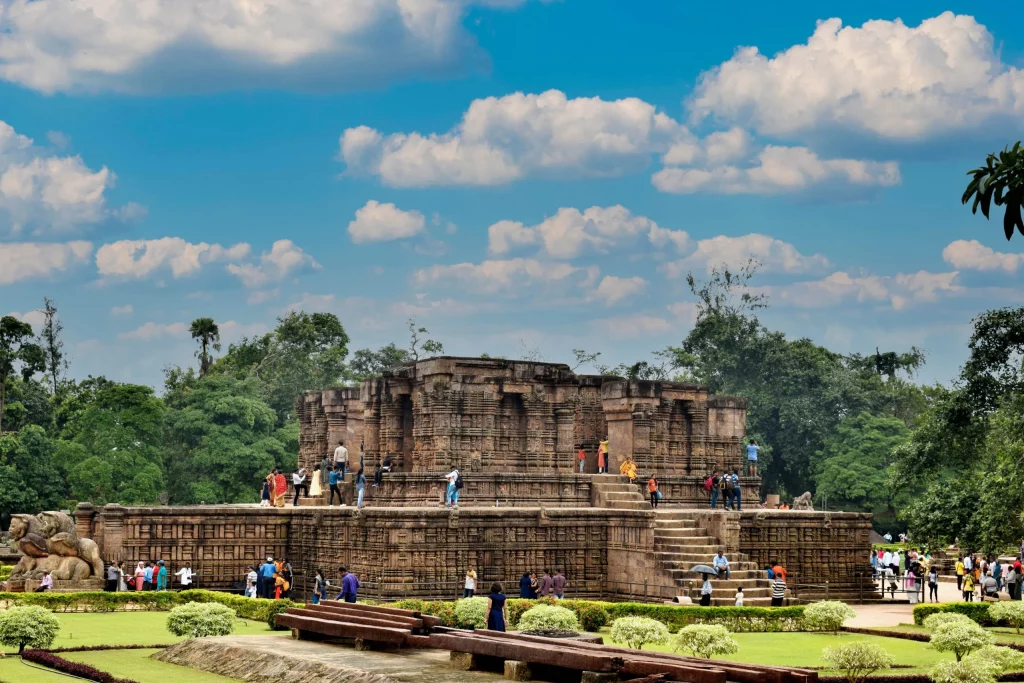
{"x": 549, "y": 618}
{"x": 592, "y": 617}
{"x": 702, "y": 640}
{"x": 966, "y": 671}
{"x": 636, "y": 632}
{"x": 936, "y": 620}
{"x": 198, "y": 619}
{"x": 857, "y": 661}
{"x": 471, "y": 612}
{"x": 1002, "y": 659}
{"x": 1010, "y": 612}
{"x": 827, "y": 615}
{"x": 961, "y": 638}
{"x": 28, "y": 626}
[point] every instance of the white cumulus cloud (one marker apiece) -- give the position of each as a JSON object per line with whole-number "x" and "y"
{"x": 885, "y": 78}
{"x": 734, "y": 252}
{"x": 495, "y": 276}
{"x": 137, "y": 259}
{"x": 283, "y": 259}
{"x": 376, "y": 222}
{"x": 898, "y": 291}
{"x": 613, "y": 290}
{"x": 973, "y": 255}
{"x": 633, "y": 326}
{"x": 49, "y": 193}
{"x": 36, "y": 318}
{"x": 161, "y": 45}
{"x": 26, "y": 260}
{"x": 152, "y": 331}
{"x": 501, "y": 139}
{"x": 571, "y": 232}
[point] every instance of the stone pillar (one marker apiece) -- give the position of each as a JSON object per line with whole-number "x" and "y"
{"x": 624, "y": 403}
{"x": 565, "y": 443}
{"x": 84, "y": 514}
{"x": 517, "y": 671}
{"x": 112, "y": 549}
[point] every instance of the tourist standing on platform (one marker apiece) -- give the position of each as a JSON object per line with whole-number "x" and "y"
{"x": 341, "y": 458}
{"x": 185, "y": 576}
{"x": 711, "y": 486}
{"x": 252, "y": 580}
{"x": 750, "y": 469}
{"x": 148, "y": 577}
{"x": 382, "y": 469}
{"x": 1011, "y": 582}
{"x": 736, "y": 496}
{"x": 267, "y": 571}
{"x": 315, "y": 488}
{"x": 319, "y": 587}
{"x": 526, "y": 586}
{"x": 469, "y": 586}
{"x": 299, "y": 484}
{"x": 333, "y": 478}
{"x": 111, "y": 578}
{"x": 122, "y": 584}
{"x": 582, "y": 457}
{"x": 454, "y": 480}
{"x": 265, "y": 496}
{"x": 289, "y": 577}
{"x": 739, "y": 597}
{"x": 349, "y": 586}
{"x": 325, "y": 467}
{"x": 652, "y": 489}
{"x": 280, "y": 488}
{"x": 547, "y": 584}
{"x": 140, "y": 576}
{"x": 933, "y": 584}
{"x": 360, "y": 487}
{"x": 559, "y": 584}
{"x": 161, "y": 576}
{"x": 705, "y": 591}
{"x": 602, "y": 457}
{"x": 497, "y": 613}
{"x": 968, "y": 592}
{"x": 778, "y": 590}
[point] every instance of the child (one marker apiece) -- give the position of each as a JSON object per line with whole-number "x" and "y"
{"x": 968, "y": 588}
{"x": 265, "y": 499}
{"x": 739, "y": 597}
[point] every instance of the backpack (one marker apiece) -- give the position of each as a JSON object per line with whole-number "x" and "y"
{"x": 709, "y": 483}
{"x": 458, "y": 480}
{"x": 728, "y": 483}
{"x": 722, "y": 483}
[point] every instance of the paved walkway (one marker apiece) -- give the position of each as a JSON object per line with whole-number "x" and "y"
{"x": 892, "y": 614}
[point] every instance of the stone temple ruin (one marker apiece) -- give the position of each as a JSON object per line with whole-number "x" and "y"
{"x": 514, "y": 429}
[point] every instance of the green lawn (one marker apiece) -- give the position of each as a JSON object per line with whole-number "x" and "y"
{"x": 804, "y": 649}
{"x": 1002, "y": 634}
{"x": 132, "y": 664}
{"x": 129, "y": 628}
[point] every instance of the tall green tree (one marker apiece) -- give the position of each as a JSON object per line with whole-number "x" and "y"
{"x": 1001, "y": 182}
{"x": 115, "y": 450}
{"x": 222, "y": 439}
{"x": 31, "y": 476}
{"x": 53, "y": 346}
{"x": 18, "y": 354}
{"x": 208, "y": 334}
{"x": 368, "y": 363}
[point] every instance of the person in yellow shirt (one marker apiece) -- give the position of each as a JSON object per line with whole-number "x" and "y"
{"x": 960, "y": 574}
{"x": 968, "y": 588}
{"x": 628, "y": 468}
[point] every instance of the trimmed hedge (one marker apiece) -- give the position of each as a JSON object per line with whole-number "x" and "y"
{"x": 976, "y": 611}
{"x": 593, "y": 615}
{"x": 258, "y": 609}
{"x": 52, "y": 661}
{"x": 5, "y": 571}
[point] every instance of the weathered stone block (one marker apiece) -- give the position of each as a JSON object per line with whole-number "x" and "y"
{"x": 518, "y": 671}
{"x": 599, "y": 677}
{"x": 464, "y": 661}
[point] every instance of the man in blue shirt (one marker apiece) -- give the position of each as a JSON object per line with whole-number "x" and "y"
{"x": 267, "y": 570}
{"x": 721, "y": 563}
{"x": 751, "y": 463}
{"x": 332, "y": 479}
{"x": 161, "y": 576}
{"x": 148, "y": 577}
{"x": 349, "y": 586}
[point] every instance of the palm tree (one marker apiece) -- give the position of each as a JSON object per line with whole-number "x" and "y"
{"x": 1000, "y": 181}
{"x": 208, "y": 334}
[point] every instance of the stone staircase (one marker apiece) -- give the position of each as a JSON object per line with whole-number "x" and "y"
{"x": 680, "y": 543}
{"x": 615, "y": 492}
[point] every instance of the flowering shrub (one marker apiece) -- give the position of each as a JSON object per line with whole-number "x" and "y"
{"x": 961, "y": 638}
{"x": 548, "y": 618}
{"x": 636, "y": 632}
{"x": 857, "y": 660}
{"x": 938, "y": 619}
{"x": 705, "y": 641}
{"x": 1008, "y": 611}
{"x": 84, "y": 671}
{"x": 196, "y": 620}
{"x": 827, "y": 615}
{"x": 28, "y": 626}
{"x": 966, "y": 671}
{"x": 471, "y": 612}
{"x": 1002, "y": 659}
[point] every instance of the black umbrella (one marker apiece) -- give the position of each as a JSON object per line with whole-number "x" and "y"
{"x": 703, "y": 569}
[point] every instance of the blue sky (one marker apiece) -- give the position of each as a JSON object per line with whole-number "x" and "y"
{"x": 515, "y": 175}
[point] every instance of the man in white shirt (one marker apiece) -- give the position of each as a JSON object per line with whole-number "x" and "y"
{"x": 250, "y": 582}
{"x": 721, "y": 563}
{"x": 452, "y": 494}
{"x": 185, "y": 575}
{"x": 968, "y": 563}
{"x": 341, "y": 458}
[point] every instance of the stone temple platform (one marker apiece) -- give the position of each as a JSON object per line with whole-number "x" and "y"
{"x": 514, "y": 429}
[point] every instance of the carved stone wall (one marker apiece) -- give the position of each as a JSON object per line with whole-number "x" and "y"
{"x": 410, "y": 552}
{"x": 495, "y": 416}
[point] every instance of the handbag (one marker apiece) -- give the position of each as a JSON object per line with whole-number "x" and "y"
{"x": 658, "y": 494}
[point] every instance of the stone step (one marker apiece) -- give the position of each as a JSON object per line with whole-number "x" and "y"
{"x": 706, "y": 549}
{"x": 699, "y": 558}
{"x": 623, "y": 488}
{"x": 736, "y": 573}
{"x": 628, "y": 505}
{"x": 660, "y": 534}
{"x": 660, "y": 523}
{"x": 623, "y": 495}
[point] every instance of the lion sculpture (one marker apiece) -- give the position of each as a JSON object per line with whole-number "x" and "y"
{"x": 803, "y": 502}
{"x": 51, "y": 544}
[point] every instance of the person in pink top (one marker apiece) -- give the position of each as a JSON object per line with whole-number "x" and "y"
{"x": 140, "y": 576}
{"x": 558, "y": 584}
{"x": 547, "y": 585}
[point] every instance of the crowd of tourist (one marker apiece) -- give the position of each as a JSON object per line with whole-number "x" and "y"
{"x": 147, "y": 576}
{"x": 976, "y": 578}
